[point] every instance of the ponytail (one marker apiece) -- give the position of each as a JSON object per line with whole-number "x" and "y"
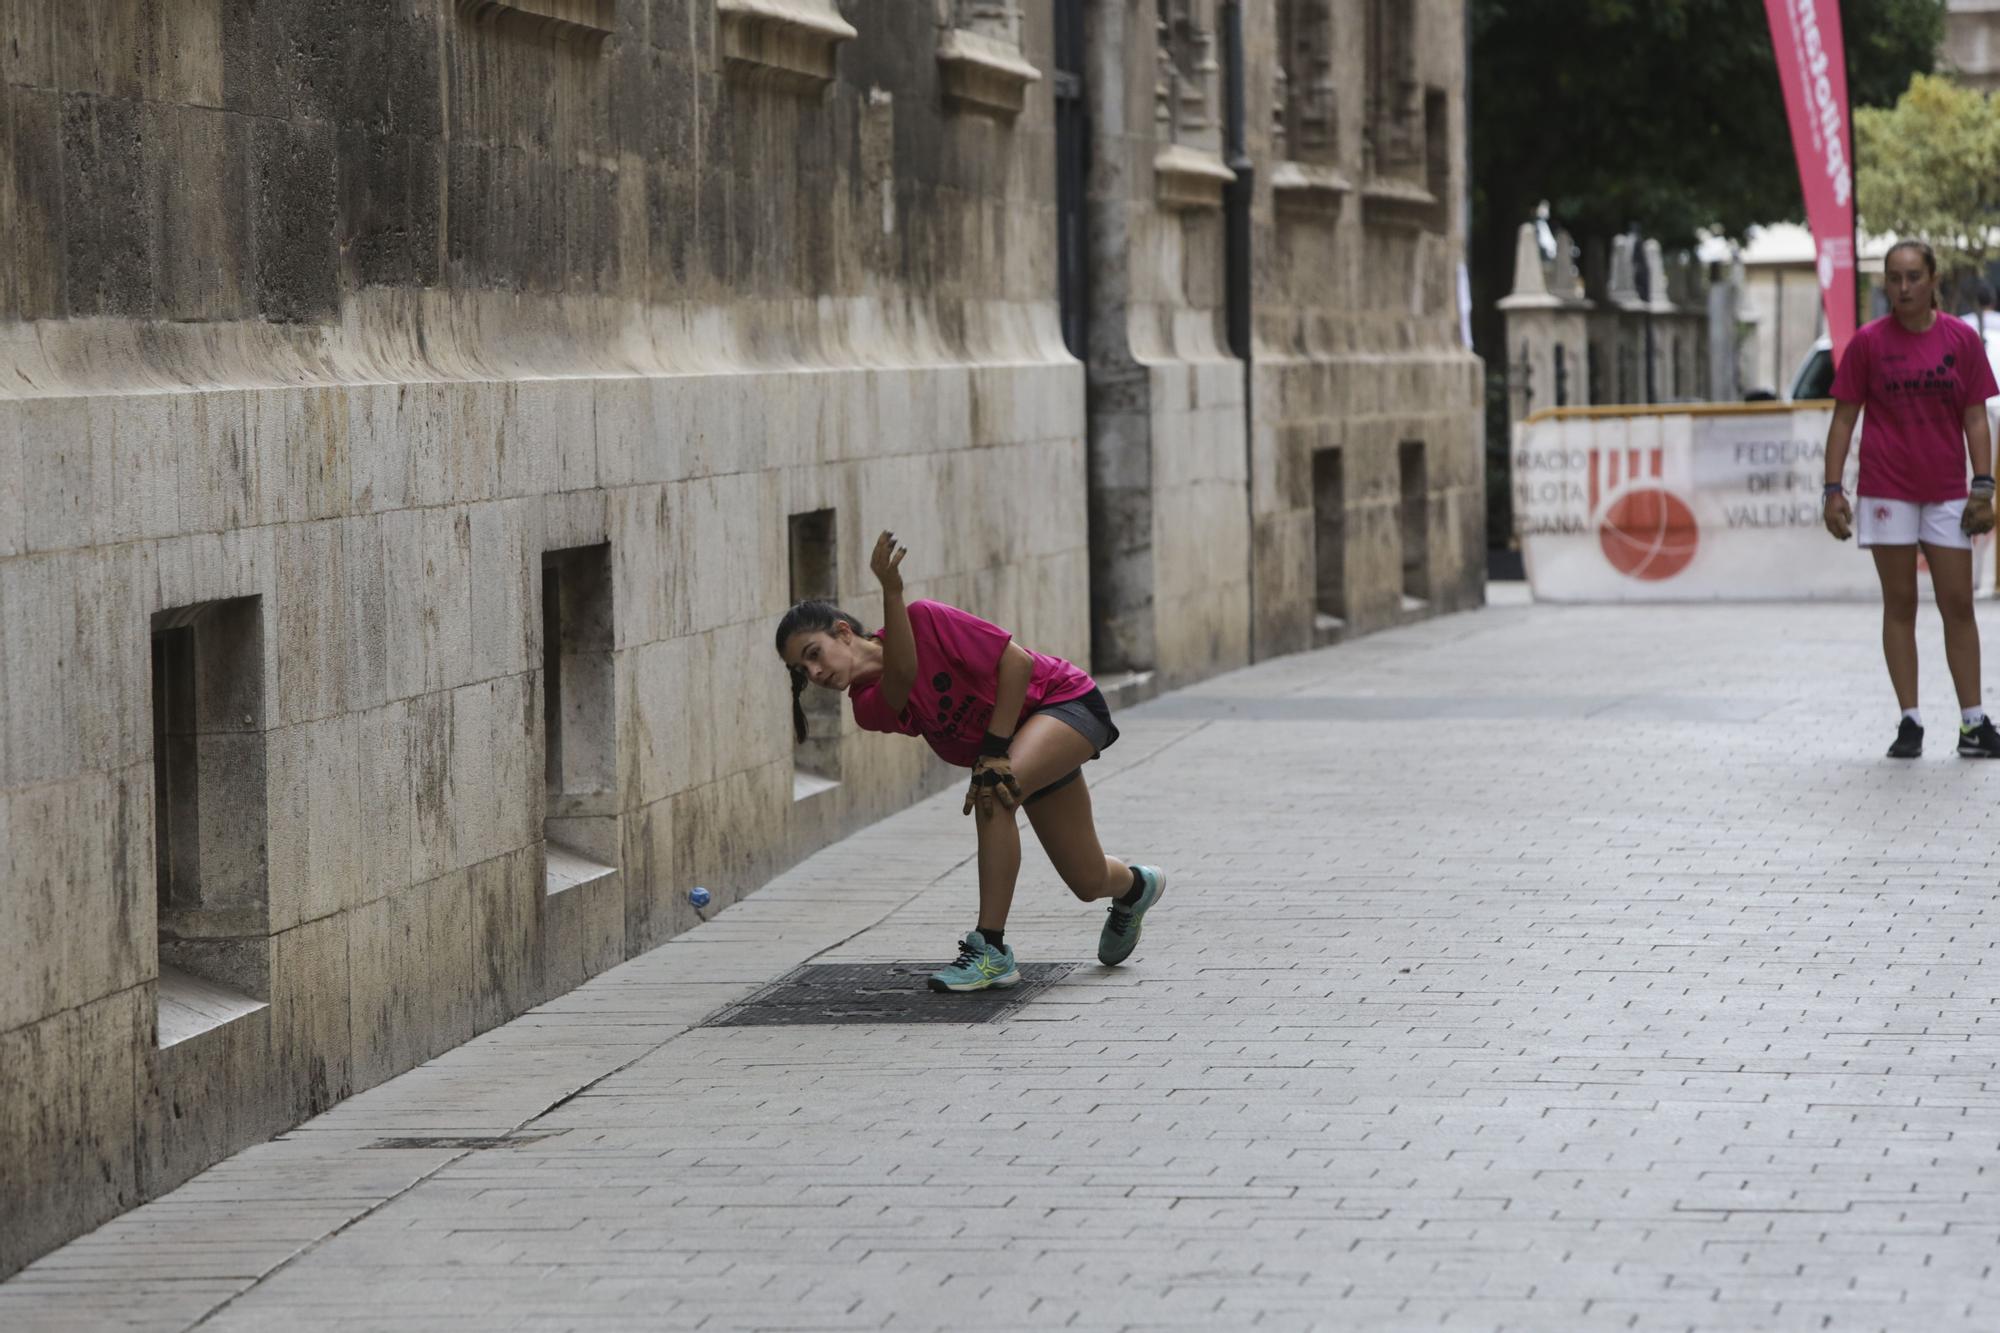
{"x": 807, "y": 618}
{"x": 798, "y": 703}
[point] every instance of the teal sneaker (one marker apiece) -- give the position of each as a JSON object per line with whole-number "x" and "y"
{"x": 979, "y": 965}
{"x": 1121, "y": 930}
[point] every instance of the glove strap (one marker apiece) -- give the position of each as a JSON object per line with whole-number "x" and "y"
{"x": 994, "y": 747}
{"x": 1982, "y": 485}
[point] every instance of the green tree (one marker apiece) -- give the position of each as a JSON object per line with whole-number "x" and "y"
{"x": 1661, "y": 114}
{"x": 1930, "y": 167}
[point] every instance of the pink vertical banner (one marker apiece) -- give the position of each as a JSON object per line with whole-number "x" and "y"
{"x": 1812, "y": 67}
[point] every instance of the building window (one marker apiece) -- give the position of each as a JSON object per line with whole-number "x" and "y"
{"x": 1329, "y": 500}
{"x": 815, "y": 572}
{"x": 1394, "y": 141}
{"x": 579, "y": 717}
{"x": 209, "y": 815}
{"x": 1416, "y": 521}
{"x": 1437, "y": 146}
{"x": 1305, "y": 111}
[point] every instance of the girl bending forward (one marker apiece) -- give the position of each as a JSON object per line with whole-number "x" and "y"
{"x": 1021, "y": 721}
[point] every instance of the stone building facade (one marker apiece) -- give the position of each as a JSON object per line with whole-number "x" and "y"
{"x": 1367, "y": 488}
{"x": 1970, "y": 51}
{"x": 414, "y": 416}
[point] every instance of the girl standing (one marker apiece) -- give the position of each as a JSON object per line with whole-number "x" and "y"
{"x": 1925, "y": 382}
{"x": 1021, "y": 721}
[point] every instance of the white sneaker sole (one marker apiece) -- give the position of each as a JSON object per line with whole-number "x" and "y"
{"x": 960, "y": 988}
{"x": 1160, "y": 884}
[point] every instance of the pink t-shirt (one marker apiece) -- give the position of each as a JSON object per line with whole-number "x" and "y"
{"x": 1915, "y": 388}
{"x": 958, "y": 662}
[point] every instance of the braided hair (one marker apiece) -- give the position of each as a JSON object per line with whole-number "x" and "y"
{"x": 806, "y": 618}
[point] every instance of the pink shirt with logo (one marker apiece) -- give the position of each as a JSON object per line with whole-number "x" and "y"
{"x": 958, "y": 663}
{"x": 1915, "y": 388}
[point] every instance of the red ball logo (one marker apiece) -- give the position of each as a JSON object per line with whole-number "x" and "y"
{"x": 1649, "y": 534}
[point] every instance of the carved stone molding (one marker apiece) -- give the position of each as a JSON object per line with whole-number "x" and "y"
{"x": 1307, "y": 185}
{"x": 789, "y": 44}
{"x": 983, "y": 73}
{"x": 581, "y": 23}
{"x": 1188, "y": 178}
{"x": 1387, "y": 202}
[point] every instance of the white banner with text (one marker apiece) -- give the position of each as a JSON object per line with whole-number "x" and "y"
{"x": 1675, "y": 506}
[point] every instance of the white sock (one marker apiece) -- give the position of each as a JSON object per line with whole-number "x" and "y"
{"x": 1914, "y": 715}
{"x": 1972, "y": 716}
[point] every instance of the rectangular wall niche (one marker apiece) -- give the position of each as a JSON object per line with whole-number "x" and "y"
{"x": 579, "y": 717}
{"x": 1416, "y": 525}
{"x": 209, "y": 816}
{"x": 815, "y": 575}
{"x": 1329, "y": 541}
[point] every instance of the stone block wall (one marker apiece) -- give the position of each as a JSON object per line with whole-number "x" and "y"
{"x": 404, "y": 808}
{"x": 323, "y": 333}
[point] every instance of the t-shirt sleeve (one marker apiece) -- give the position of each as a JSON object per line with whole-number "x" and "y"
{"x": 1978, "y": 378}
{"x": 1850, "y": 378}
{"x": 872, "y": 714}
{"x": 962, "y": 638}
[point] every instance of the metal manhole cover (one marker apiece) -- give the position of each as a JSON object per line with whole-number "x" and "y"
{"x": 879, "y": 993}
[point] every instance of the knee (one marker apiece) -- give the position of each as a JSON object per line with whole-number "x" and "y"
{"x": 1900, "y": 610}
{"x": 1955, "y": 607}
{"x": 991, "y": 817}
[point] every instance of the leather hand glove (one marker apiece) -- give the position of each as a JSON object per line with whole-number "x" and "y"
{"x": 994, "y": 786}
{"x": 1978, "y": 515}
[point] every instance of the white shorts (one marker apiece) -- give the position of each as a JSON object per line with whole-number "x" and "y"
{"x": 1879, "y": 522}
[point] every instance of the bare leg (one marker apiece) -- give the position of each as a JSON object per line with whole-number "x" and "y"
{"x": 1063, "y": 822}
{"x": 1951, "y": 580}
{"x": 1043, "y": 750}
{"x": 1896, "y": 567}
{"x": 999, "y": 866}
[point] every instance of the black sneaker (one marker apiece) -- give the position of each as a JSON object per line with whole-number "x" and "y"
{"x": 1910, "y": 740}
{"x": 1980, "y": 741}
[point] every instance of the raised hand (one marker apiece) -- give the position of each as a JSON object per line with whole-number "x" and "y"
{"x": 886, "y": 563}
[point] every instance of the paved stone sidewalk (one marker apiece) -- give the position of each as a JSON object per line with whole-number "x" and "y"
{"x": 1536, "y": 969}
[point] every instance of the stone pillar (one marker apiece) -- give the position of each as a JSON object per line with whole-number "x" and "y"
{"x": 1169, "y": 525}
{"x": 1547, "y": 337}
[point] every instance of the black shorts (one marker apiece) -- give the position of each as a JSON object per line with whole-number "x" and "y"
{"x": 1090, "y": 717}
